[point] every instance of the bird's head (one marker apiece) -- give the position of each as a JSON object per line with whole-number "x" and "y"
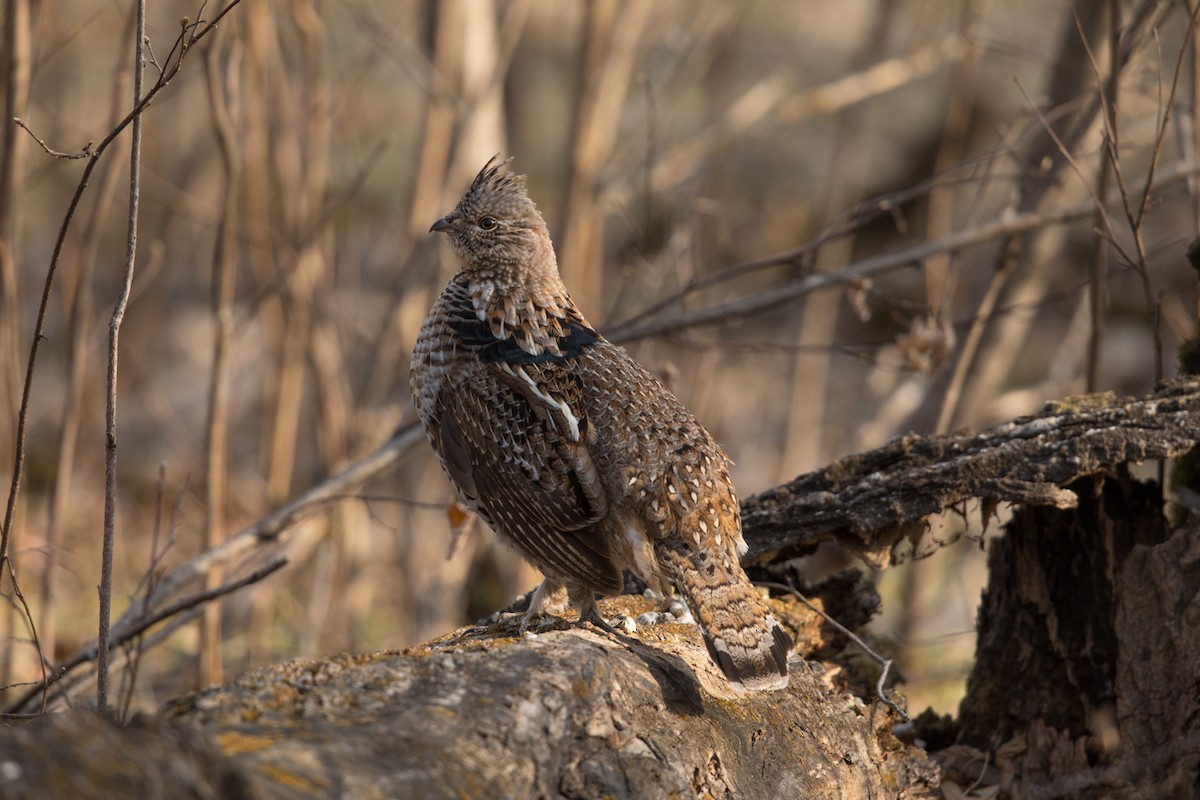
{"x": 495, "y": 225}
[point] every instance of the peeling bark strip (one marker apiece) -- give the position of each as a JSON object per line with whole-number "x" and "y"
{"x": 870, "y": 501}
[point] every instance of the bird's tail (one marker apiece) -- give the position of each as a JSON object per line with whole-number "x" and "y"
{"x": 741, "y": 634}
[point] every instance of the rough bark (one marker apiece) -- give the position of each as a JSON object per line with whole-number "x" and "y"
{"x": 1051, "y": 590}
{"x": 871, "y": 501}
{"x": 1086, "y": 680}
{"x": 1158, "y": 667}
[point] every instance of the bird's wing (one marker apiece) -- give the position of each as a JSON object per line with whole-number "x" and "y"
{"x": 514, "y": 439}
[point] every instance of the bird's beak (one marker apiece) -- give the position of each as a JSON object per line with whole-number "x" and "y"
{"x": 442, "y": 224}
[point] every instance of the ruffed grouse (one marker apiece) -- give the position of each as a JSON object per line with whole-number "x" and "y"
{"x": 571, "y": 451}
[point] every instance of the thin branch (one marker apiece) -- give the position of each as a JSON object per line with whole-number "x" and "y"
{"x": 114, "y": 331}
{"x": 885, "y": 664}
{"x": 86, "y": 152}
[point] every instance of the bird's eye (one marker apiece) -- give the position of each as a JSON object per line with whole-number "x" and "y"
{"x": 488, "y": 223}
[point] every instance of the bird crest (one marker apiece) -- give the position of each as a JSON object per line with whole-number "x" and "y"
{"x": 491, "y": 179}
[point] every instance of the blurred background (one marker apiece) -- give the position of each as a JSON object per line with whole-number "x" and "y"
{"x": 825, "y": 224}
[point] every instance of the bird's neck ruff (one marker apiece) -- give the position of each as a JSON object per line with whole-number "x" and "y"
{"x": 522, "y": 323}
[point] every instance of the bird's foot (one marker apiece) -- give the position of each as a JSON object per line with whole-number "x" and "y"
{"x": 541, "y": 615}
{"x": 532, "y": 623}
{"x": 591, "y": 614}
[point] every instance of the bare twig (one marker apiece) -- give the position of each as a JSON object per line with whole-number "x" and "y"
{"x": 114, "y": 331}
{"x": 85, "y": 152}
{"x": 885, "y": 664}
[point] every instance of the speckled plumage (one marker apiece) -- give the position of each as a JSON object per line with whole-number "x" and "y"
{"x": 570, "y": 450}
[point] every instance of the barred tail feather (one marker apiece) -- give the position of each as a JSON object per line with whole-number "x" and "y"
{"x": 760, "y": 667}
{"x": 741, "y": 635}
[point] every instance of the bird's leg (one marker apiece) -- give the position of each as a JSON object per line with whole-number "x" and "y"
{"x": 548, "y": 593}
{"x": 585, "y": 601}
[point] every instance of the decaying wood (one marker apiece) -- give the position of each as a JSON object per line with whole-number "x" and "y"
{"x": 870, "y": 501}
{"x": 1086, "y": 680}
